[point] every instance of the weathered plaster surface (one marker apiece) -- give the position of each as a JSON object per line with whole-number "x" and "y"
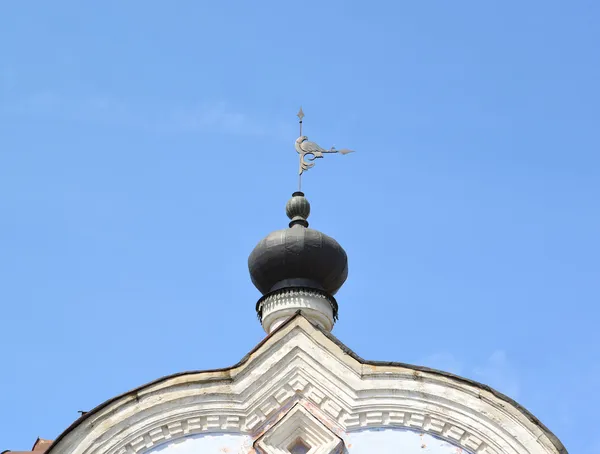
{"x": 206, "y": 444}
{"x": 302, "y": 369}
{"x": 380, "y": 441}
{"x": 390, "y": 441}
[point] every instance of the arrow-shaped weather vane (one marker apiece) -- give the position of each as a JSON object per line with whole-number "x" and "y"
{"x": 310, "y": 151}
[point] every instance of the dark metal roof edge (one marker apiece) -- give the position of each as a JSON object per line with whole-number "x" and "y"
{"x": 553, "y": 438}
{"x": 106, "y": 403}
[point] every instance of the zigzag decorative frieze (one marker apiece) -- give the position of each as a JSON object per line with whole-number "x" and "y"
{"x": 415, "y": 421}
{"x": 298, "y": 387}
{"x": 182, "y": 428}
{"x": 355, "y": 421}
{"x": 301, "y": 367}
{"x": 295, "y": 387}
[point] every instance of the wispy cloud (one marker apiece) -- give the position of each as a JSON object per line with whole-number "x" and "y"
{"x": 215, "y": 117}
{"x": 500, "y": 374}
{"x": 8, "y": 79}
{"x": 91, "y": 109}
{"x": 443, "y": 361}
{"x": 496, "y": 371}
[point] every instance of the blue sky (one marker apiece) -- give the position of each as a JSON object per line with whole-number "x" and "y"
{"x": 146, "y": 147}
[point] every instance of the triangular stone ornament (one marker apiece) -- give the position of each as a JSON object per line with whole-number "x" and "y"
{"x": 299, "y": 432}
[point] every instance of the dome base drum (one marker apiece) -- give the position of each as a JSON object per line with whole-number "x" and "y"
{"x": 298, "y": 268}
{"x": 276, "y": 307}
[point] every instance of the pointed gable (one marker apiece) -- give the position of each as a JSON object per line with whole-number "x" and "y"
{"x": 300, "y": 366}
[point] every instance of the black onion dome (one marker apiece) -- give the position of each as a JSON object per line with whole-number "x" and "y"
{"x": 298, "y": 256}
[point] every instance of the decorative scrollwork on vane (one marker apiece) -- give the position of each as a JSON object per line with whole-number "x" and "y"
{"x": 310, "y": 151}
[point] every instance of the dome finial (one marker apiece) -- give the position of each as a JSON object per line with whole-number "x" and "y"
{"x": 299, "y": 268}
{"x": 298, "y": 209}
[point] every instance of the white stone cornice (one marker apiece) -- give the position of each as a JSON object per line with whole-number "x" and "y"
{"x": 301, "y": 365}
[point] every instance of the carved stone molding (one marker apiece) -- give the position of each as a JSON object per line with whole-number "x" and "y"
{"x": 276, "y": 307}
{"x": 302, "y": 369}
{"x": 299, "y": 427}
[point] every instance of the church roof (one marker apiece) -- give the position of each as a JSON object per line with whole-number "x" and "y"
{"x": 39, "y": 447}
{"x": 301, "y": 381}
{"x": 486, "y": 396}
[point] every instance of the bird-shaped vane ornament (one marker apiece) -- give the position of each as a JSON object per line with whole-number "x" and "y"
{"x": 307, "y": 148}
{"x": 310, "y": 151}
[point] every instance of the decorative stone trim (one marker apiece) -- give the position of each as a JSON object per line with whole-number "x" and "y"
{"x": 351, "y": 422}
{"x": 421, "y": 422}
{"x": 317, "y": 305}
{"x": 182, "y": 428}
{"x": 299, "y": 365}
{"x": 296, "y": 292}
{"x": 299, "y": 425}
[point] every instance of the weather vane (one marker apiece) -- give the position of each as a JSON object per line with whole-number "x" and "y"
{"x": 310, "y": 151}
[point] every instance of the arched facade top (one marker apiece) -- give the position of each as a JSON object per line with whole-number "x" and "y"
{"x": 302, "y": 376}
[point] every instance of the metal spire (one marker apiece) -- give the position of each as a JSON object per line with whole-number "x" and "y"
{"x": 300, "y": 115}
{"x": 306, "y": 148}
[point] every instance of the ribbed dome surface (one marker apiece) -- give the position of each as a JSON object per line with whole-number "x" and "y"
{"x": 298, "y": 257}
